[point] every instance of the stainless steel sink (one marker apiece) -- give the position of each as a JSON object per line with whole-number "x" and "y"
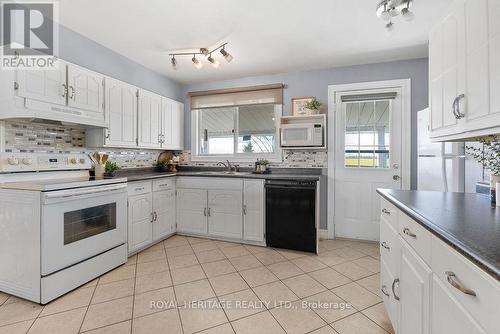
{"x": 219, "y": 173}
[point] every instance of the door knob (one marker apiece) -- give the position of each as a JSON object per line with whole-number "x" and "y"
{"x": 395, "y": 166}
{"x": 396, "y": 177}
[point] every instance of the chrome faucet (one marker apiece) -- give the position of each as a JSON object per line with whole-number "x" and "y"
{"x": 228, "y": 165}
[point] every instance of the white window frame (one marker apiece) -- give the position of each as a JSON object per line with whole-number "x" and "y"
{"x": 236, "y": 157}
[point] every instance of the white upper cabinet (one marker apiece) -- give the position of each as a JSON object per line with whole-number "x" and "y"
{"x": 85, "y": 89}
{"x": 43, "y": 85}
{"x": 172, "y": 124}
{"x": 150, "y": 110}
{"x": 121, "y": 113}
{"x": 464, "y": 66}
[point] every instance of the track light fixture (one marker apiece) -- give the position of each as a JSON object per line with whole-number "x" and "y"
{"x": 204, "y": 52}
{"x": 387, "y": 9}
{"x": 226, "y": 55}
{"x": 198, "y": 64}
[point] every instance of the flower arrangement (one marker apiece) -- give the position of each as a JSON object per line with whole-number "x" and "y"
{"x": 489, "y": 155}
{"x": 313, "y": 105}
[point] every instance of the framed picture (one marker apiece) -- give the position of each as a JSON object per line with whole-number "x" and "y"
{"x": 298, "y": 104}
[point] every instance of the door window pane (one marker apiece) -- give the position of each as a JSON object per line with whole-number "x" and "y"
{"x": 367, "y": 134}
{"x": 85, "y": 223}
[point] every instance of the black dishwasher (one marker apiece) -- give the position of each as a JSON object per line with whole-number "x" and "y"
{"x": 291, "y": 214}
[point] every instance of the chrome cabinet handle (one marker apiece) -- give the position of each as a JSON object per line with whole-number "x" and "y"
{"x": 152, "y": 217}
{"x": 451, "y": 277}
{"x": 407, "y": 231}
{"x": 108, "y": 134}
{"x": 387, "y": 212}
{"x": 384, "y": 290}
{"x": 396, "y": 280}
{"x": 65, "y": 90}
{"x": 72, "y": 92}
{"x": 209, "y": 214}
{"x": 156, "y": 216}
{"x": 456, "y": 107}
{"x": 205, "y": 212}
{"x": 385, "y": 245}
{"x": 244, "y": 209}
{"x": 139, "y": 188}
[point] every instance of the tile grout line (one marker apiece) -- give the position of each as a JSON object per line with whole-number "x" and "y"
{"x": 88, "y": 306}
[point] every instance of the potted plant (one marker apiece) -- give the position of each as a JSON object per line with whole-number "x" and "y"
{"x": 163, "y": 166}
{"x": 261, "y": 165}
{"x": 313, "y": 105}
{"x": 489, "y": 157}
{"x": 110, "y": 168}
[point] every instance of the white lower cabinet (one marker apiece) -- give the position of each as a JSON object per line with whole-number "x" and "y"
{"x": 414, "y": 289}
{"x": 225, "y": 213}
{"x": 221, "y": 208}
{"x": 427, "y": 286}
{"x": 151, "y": 212}
{"x": 139, "y": 221}
{"x": 253, "y": 210}
{"x": 192, "y": 211}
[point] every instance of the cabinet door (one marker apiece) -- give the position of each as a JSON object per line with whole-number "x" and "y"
{"x": 447, "y": 315}
{"x": 253, "y": 210}
{"x": 414, "y": 289}
{"x": 121, "y": 113}
{"x": 225, "y": 213}
{"x": 178, "y": 125}
{"x": 139, "y": 221}
{"x": 149, "y": 119}
{"x": 164, "y": 212}
{"x": 192, "y": 211}
{"x": 387, "y": 282}
{"x": 43, "y": 85}
{"x": 85, "y": 89}
{"x": 166, "y": 123}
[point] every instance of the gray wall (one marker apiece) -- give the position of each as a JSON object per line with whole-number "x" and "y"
{"x": 80, "y": 50}
{"x": 315, "y": 83}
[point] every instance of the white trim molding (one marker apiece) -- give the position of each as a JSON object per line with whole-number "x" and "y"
{"x": 333, "y": 95}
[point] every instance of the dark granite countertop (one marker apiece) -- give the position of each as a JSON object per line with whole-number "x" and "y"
{"x": 467, "y": 222}
{"x": 151, "y": 173}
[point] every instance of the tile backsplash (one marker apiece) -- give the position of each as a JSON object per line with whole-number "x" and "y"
{"x": 30, "y": 136}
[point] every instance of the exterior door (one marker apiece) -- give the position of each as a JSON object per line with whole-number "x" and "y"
{"x": 164, "y": 211}
{"x": 139, "y": 221}
{"x": 368, "y": 147}
{"x": 192, "y": 211}
{"x": 225, "y": 213}
{"x": 121, "y": 113}
{"x": 43, "y": 85}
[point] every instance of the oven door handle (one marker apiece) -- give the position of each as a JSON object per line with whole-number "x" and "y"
{"x": 83, "y": 191}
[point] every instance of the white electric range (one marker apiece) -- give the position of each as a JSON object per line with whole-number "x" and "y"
{"x": 59, "y": 228}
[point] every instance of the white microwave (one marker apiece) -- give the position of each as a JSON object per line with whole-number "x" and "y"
{"x": 302, "y": 135}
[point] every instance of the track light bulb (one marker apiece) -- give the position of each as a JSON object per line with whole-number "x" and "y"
{"x": 226, "y": 55}
{"x": 215, "y": 63}
{"x": 174, "y": 63}
{"x": 407, "y": 14}
{"x": 198, "y": 64}
{"x": 389, "y": 27}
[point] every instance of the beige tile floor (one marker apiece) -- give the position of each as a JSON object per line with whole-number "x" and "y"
{"x": 230, "y": 288}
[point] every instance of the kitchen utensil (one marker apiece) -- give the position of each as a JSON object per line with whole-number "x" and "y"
{"x": 105, "y": 158}
{"x": 97, "y": 156}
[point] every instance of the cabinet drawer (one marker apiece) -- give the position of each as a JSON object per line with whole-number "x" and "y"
{"x": 416, "y": 236}
{"x": 137, "y": 188}
{"x": 215, "y": 183}
{"x": 389, "y": 246}
{"x": 482, "y": 306}
{"x": 163, "y": 184}
{"x": 389, "y": 212}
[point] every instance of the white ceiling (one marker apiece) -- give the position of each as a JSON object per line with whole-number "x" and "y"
{"x": 265, "y": 36}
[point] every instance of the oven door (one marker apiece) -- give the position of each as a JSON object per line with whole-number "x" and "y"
{"x": 78, "y": 224}
{"x": 296, "y": 135}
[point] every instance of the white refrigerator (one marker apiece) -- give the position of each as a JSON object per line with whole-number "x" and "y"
{"x": 441, "y": 166}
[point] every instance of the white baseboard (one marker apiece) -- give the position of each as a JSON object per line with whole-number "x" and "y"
{"x": 323, "y": 234}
